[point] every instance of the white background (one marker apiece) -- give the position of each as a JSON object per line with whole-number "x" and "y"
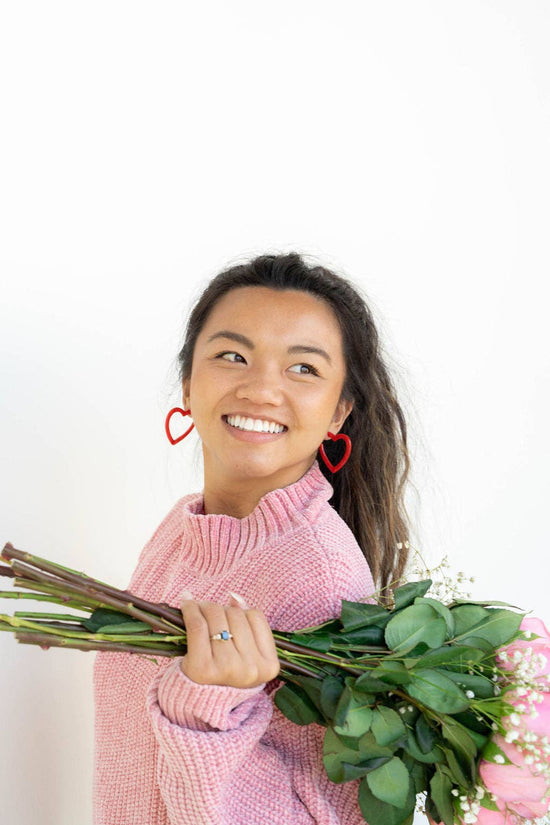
{"x": 144, "y": 146}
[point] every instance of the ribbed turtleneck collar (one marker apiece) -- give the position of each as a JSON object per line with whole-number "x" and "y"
{"x": 214, "y": 543}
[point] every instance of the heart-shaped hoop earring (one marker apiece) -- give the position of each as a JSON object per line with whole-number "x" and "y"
{"x": 171, "y": 439}
{"x": 347, "y": 452}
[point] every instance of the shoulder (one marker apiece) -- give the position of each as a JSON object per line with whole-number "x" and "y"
{"x": 320, "y": 567}
{"x": 165, "y": 540}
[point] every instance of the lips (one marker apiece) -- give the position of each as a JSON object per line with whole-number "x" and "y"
{"x": 256, "y": 425}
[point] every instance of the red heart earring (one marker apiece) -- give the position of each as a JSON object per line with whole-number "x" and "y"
{"x": 347, "y": 441}
{"x": 171, "y": 439}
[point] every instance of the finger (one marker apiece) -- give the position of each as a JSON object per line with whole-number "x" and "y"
{"x": 244, "y": 663}
{"x": 238, "y": 600}
{"x": 263, "y": 636}
{"x": 243, "y": 638}
{"x": 233, "y": 619}
{"x": 198, "y": 634}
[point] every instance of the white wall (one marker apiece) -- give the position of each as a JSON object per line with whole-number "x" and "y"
{"x": 146, "y": 145}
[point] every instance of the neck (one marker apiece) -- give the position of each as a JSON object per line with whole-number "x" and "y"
{"x": 238, "y": 496}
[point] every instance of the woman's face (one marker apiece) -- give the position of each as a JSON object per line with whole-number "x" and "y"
{"x": 265, "y": 385}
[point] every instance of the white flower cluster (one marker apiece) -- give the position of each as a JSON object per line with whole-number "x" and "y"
{"x": 446, "y": 586}
{"x": 525, "y": 693}
{"x": 523, "y": 688}
{"x": 470, "y": 807}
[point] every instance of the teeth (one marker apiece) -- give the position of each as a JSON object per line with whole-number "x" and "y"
{"x": 256, "y": 425}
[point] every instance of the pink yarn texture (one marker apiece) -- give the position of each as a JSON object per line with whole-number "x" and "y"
{"x": 169, "y": 751}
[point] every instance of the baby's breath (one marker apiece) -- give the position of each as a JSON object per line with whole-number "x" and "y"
{"x": 447, "y": 586}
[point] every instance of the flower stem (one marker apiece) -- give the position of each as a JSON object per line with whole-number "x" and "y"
{"x": 318, "y": 655}
{"x": 46, "y": 640}
{"x": 121, "y": 602}
{"x": 90, "y": 585}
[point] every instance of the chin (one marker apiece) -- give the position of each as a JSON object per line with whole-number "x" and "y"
{"x": 263, "y": 470}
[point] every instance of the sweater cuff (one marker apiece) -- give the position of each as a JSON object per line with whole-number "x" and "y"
{"x": 202, "y": 707}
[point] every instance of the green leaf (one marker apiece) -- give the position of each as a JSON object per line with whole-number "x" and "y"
{"x": 425, "y": 734}
{"x": 377, "y": 812}
{"x": 488, "y": 803}
{"x": 417, "y": 772}
{"x": 431, "y": 810}
{"x": 390, "y": 782}
{"x": 387, "y": 726}
{"x": 312, "y": 688}
{"x": 455, "y": 769}
{"x": 491, "y": 750}
{"x": 370, "y": 749}
{"x": 353, "y": 714}
{"x": 471, "y": 720}
{"x": 443, "y": 611}
{"x": 296, "y": 705}
{"x": 460, "y": 655}
{"x": 467, "y": 616}
{"x": 315, "y": 641}
{"x": 362, "y": 768}
{"x": 335, "y": 753}
{"x": 477, "y": 641}
{"x": 408, "y": 713}
{"x": 412, "y": 747}
{"x": 369, "y": 684}
{"x": 113, "y": 621}
{"x": 126, "y": 627}
{"x": 482, "y": 687}
{"x": 496, "y": 625}
{"x": 499, "y": 627}
{"x": 479, "y": 739}
{"x": 460, "y": 740}
{"x": 415, "y": 624}
{"x": 359, "y": 614}
{"x": 485, "y": 603}
{"x": 371, "y": 635}
{"x": 406, "y": 594}
{"x": 440, "y": 790}
{"x": 394, "y": 673}
{"x": 436, "y": 691}
{"x": 331, "y": 690}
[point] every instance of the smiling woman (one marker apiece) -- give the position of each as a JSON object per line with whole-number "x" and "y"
{"x": 280, "y": 366}
{"x": 238, "y": 399}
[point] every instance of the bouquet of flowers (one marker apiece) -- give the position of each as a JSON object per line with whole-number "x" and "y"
{"x": 450, "y": 701}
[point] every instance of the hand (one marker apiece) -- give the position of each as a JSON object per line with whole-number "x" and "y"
{"x": 245, "y": 661}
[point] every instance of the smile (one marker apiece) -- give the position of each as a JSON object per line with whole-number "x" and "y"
{"x": 256, "y": 425}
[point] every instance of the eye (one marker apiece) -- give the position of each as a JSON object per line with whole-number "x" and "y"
{"x": 304, "y": 369}
{"x": 233, "y": 357}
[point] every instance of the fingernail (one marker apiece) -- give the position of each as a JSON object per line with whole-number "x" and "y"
{"x": 239, "y": 600}
{"x": 186, "y": 594}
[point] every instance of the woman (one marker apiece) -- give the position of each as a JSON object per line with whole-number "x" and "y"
{"x": 277, "y": 356}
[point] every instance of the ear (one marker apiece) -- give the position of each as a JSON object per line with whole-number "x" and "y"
{"x": 185, "y": 389}
{"x": 342, "y": 411}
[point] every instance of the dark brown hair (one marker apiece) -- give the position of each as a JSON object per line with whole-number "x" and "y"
{"x": 369, "y": 489}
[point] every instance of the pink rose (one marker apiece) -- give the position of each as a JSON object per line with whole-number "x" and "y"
{"x": 520, "y": 788}
{"x": 515, "y": 786}
{"x": 486, "y": 817}
{"x": 538, "y": 646}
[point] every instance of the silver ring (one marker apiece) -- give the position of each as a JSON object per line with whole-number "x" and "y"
{"x": 223, "y": 635}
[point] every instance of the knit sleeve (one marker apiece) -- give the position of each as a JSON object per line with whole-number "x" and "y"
{"x": 213, "y": 767}
{"x": 228, "y": 756}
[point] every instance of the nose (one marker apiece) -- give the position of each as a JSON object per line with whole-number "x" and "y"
{"x": 261, "y": 386}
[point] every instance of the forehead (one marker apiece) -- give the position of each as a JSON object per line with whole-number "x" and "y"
{"x": 258, "y": 311}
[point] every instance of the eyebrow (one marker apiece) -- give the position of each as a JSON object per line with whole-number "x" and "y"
{"x": 296, "y": 348}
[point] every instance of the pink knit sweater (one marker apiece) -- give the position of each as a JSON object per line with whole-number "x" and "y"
{"x": 168, "y": 750}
